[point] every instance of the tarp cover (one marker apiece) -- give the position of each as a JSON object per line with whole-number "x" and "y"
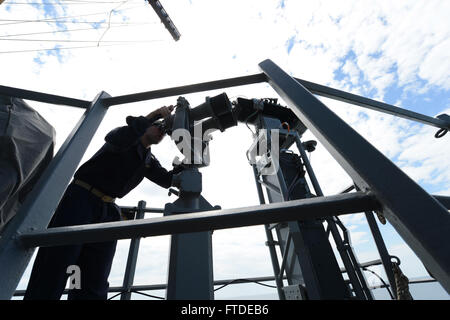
{"x": 26, "y": 147}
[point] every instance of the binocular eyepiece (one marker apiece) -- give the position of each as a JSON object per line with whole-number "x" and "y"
{"x": 165, "y": 126}
{"x": 215, "y": 113}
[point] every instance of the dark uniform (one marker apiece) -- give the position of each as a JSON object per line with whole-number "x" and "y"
{"x": 116, "y": 169}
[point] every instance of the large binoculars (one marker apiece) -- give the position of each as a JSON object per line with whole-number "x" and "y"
{"x": 216, "y": 113}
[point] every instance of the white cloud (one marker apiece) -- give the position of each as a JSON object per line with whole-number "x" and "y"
{"x": 374, "y": 44}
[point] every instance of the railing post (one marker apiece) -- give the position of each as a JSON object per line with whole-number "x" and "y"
{"x": 132, "y": 258}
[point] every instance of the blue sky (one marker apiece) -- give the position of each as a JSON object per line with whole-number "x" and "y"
{"x": 396, "y": 52}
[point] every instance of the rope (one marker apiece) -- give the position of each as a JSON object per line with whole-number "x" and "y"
{"x": 381, "y": 217}
{"x": 402, "y": 283}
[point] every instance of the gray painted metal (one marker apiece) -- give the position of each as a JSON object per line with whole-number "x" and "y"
{"x": 190, "y": 274}
{"x": 323, "y": 279}
{"x": 270, "y": 240}
{"x": 445, "y": 201}
{"x": 261, "y": 77}
{"x": 130, "y": 269}
{"x": 308, "y": 258}
{"x": 37, "y": 210}
{"x": 43, "y": 97}
{"x": 175, "y": 91}
{"x": 314, "y": 208}
{"x": 347, "y": 255}
{"x": 419, "y": 219}
{"x": 287, "y": 244}
{"x": 150, "y": 210}
{"x": 347, "y": 97}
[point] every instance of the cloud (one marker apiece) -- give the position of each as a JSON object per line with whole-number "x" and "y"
{"x": 368, "y": 48}
{"x": 392, "y": 41}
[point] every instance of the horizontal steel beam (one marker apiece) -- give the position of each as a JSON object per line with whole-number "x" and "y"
{"x": 313, "y": 208}
{"x": 43, "y": 97}
{"x": 175, "y": 91}
{"x": 422, "y": 221}
{"x": 347, "y": 97}
{"x": 315, "y": 88}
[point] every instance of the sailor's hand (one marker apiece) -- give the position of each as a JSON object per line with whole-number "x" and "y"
{"x": 162, "y": 112}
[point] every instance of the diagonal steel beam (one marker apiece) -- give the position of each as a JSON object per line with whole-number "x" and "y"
{"x": 313, "y": 208}
{"x": 421, "y": 220}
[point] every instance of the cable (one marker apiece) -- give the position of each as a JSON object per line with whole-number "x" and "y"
{"x": 59, "y": 3}
{"x": 148, "y": 295}
{"x": 67, "y": 48}
{"x": 138, "y": 292}
{"x": 70, "y": 40}
{"x": 246, "y": 122}
{"x": 381, "y": 279}
{"x": 75, "y": 22}
{"x": 18, "y": 21}
{"x": 245, "y": 281}
{"x": 109, "y": 21}
{"x": 68, "y": 30}
{"x": 115, "y": 295}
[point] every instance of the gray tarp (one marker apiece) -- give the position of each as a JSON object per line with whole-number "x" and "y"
{"x": 26, "y": 147}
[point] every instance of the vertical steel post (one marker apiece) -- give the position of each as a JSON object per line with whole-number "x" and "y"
{"x": 132, "y": 257}
{"x": 190, "y": 272}
{"x": 422, "y": 222}
{"x": 38, "y": 208}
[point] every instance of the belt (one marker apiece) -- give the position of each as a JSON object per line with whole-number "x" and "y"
{"x": 98, "y": 193}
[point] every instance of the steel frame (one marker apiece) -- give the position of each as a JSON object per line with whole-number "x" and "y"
{"x": 399, "y": 198}
{"x": 161, "y": 286}
{"x": 404, "y": 202}
{"x": 315, "y": 270}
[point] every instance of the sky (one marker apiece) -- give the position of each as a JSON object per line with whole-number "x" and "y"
{"x": 397, "y": 52}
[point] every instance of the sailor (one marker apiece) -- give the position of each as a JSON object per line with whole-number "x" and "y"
{"x": 117, "y": 168}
